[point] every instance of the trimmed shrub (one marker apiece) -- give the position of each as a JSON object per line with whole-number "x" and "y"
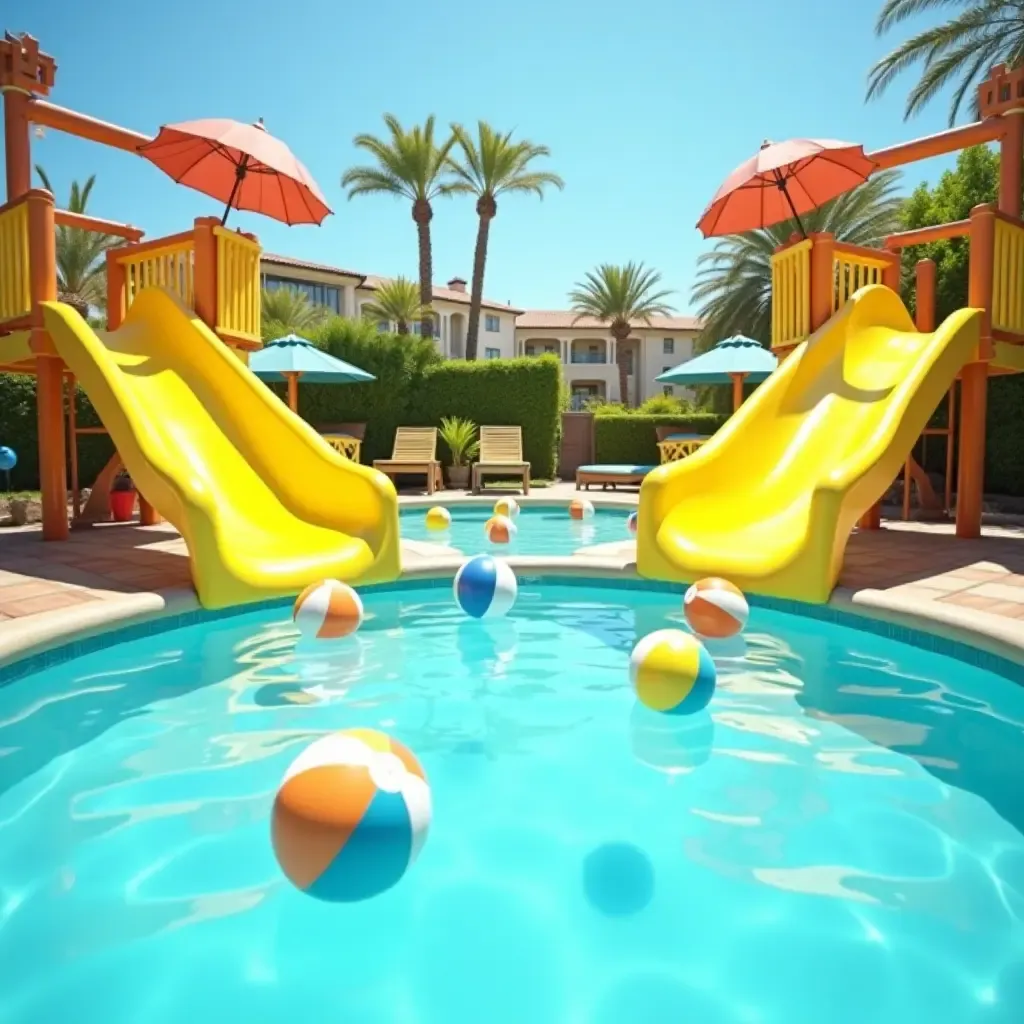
{"x": 632, "y": 439}
{"x": 499, "y": 392}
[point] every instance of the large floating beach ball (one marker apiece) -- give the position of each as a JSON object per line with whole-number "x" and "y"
{"x": 715, "y": 608}
{"x": 500, "y": 530}
{"x": 328, "y": 610}
{"x": 672, "y": 672}
{"x": 350, "y": 816}
{"x": 631, "y": 522}
{"x": 8, "y": 459}
{"x": 506, "y": 507}
{"x": 581, "y": 508}
{"x": 485, "y": 587}
{"x": 438, "y": 518}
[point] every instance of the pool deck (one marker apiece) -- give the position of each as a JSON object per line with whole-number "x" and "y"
{"x": 918, "y": 574}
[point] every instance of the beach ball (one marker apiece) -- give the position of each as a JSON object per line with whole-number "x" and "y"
{"x": 438, "y": 518}
{"x": 350, "y": 816}
{"x": 631, "y": 522}
{"x": 715, "y": 608}
{"x": 485, "y": 587}
{"x": 500, "y": 530}
{"x": 8, "y": 459}
{"x": 672, "y": 672}
{"x": 328, "y": 610}
{"x": 506, "y": 507}
{"x": 581, "y": 508}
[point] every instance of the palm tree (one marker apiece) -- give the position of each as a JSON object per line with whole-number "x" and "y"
{"x": 492, "y": 164}
{"x": 287, "y": 311}
{"x": 619, "y": 296}
{"x": 81, "y": 269}
{"x": 413, "y": 166}
{"x": 960, "y": 50}
{"x": 733, "y": 291}
{"x": 398, "y": 302}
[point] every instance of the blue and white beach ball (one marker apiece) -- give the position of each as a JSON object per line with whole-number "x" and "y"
{"x": 631, "y": 522}
{"x": 8, "y": 459}
{"x": 672, "y": 672}
{"x": 485, "y": 587}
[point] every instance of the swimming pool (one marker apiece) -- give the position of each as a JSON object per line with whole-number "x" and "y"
{"x": 841, "y": 839}
{"x": 542, "y": 530}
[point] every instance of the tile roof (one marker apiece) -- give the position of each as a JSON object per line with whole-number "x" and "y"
{"x": 372, "y": 281}
{"x": 290, "y": 261}
{"x": 564, "y": 320}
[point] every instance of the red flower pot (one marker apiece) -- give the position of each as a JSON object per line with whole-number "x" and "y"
{"x": 122, "y": 506}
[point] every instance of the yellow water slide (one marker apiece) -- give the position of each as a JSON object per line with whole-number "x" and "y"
{"x": 264, "y": 504}
{"x": 770, "y": 501}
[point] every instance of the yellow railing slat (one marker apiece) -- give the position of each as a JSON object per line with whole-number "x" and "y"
{"x": 15, "y": 291}
{"x": 1008, "y": 278}
{"x": 791, "y": 290}
{"x": 238, "y": 285}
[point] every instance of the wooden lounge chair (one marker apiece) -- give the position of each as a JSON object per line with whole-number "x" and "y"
{"x": 415, "y": 454}
{"x": 501, "y": 454}
{"x": 611, "y": 476}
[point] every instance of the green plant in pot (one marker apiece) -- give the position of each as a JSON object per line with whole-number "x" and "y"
{"x": 460, "y": 437}
{"x": 122, "y": 498}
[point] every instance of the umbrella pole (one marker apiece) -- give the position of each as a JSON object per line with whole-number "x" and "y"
{"x": 239, "y": 177}
{"x": 781, "y": 182}
{"x": 737, "y": 389}
{"x": 293, "y": 391}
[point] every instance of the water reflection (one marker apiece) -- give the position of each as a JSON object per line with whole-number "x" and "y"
{"x": 673, "y": 744}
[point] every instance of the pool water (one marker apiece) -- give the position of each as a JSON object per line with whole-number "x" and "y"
{"x": 541, "y": 530}
{"x": 839, "y": 839}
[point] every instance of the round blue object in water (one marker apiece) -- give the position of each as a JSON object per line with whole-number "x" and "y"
{"x": 485, "y": 587}
{"x": 618, "y": 879}
{"x": 8, "y": 459}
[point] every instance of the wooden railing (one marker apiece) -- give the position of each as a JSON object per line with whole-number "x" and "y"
{"x": 238, "y": 286}
{"x": 15, "y": 265}
{"x": 164, "y": 262}
{"x": 791, "y": 294}
{"x": 1008, "y": 277}
{"x": 855, "y": 267}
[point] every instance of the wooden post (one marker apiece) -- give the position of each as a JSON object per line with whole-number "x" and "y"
{"x": 891, "y": 272}
{"x": 737, "y": 389}
{"x": 148, "y": 516}
{"x": 76, "y": 494}
{"x": 293, "y": 391}
{"x": 116, "y": 297}
{"x": 822, "y": 278}
{"x": 205, "y": 271}
{"x": 1011, "y": 156}
{"x": 17, "y": 142}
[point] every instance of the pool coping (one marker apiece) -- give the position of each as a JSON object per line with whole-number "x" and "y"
{"x": 959, "y": 632}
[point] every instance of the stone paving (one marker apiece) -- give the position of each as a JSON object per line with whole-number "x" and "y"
{"x": 925, "y": 564}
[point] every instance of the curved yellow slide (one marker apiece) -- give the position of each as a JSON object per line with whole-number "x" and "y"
{"x": 770, "y": 501}
{"x": 264, "y": 504}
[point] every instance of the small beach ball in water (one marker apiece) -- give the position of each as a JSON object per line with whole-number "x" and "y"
{"x": 631, "y": 522}
{"x": 350, "y": 816}
{"x": 715, "y": 608}
{"x": 485, "y": 587}
{"x": 328, "y": 610}
{"x": 500, "y": 530}
{"x": 438, "y": 518}
{"x": 8, "y": 459}
{"x": 672, "y": 672}
{"x": 581, "y": 508}
{"x": 506, "y": 507}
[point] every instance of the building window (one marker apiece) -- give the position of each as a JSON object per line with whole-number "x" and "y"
{"x": 492, "y": 353}
{"x": 383, "y": 327}
{"x": 668, "y": 347}
{"x": 667, "y": 391}
{"x": 318, "y": 294}
{"x": 492, "y": 323}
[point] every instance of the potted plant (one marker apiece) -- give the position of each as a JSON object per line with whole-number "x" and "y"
{"x": 460, "y": 437}
{"x": 122, "y": 498}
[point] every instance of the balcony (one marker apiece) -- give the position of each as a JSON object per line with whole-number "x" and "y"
{"x": 588, "y": 357}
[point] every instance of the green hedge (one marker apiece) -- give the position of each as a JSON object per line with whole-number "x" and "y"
{"x": 632, "y": 439}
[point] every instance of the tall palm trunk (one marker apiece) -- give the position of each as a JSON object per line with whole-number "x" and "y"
{"x": 486, "y": 207}
{"x": 622, "y": 361}
{"x": 422, "y": 214}
{"x": 403, "y": 327}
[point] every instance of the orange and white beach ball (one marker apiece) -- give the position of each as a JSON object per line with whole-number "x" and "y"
{"x": 500, "y": 530}
{"x": 328, "y": 610}
{"x": 581, "y": 508}
{"x": 507, "y": 507}
{"x": 350, "y": 816}
{"x": 438, "y": 518}
{"x": 715, "y": 608}
{"x": 631, "y": 522}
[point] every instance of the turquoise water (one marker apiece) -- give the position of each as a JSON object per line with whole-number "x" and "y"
{"x": 840, "y": 840}
{"x": 541, "y": 530}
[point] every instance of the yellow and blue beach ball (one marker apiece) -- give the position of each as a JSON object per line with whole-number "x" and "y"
{"x": 350, "y": 816}
{"x": 485, "y": 587}
{"x": 438, "y": 518}
{"x": 506, "y": 507}
{"x": 631, "y": 522}
{"x": 500, "y": 530}
{"x": 672, "y": 672}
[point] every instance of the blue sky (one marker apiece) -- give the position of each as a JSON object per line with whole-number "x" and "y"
{"x": 646, "y": 107}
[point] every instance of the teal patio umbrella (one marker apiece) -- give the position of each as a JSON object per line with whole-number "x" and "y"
{"x": 736, "y": 360}
{"x": 291, "y": 358}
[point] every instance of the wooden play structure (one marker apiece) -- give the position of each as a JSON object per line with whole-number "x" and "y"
{"x": 210, "y": 269}
{"x": 813, "y": 277}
